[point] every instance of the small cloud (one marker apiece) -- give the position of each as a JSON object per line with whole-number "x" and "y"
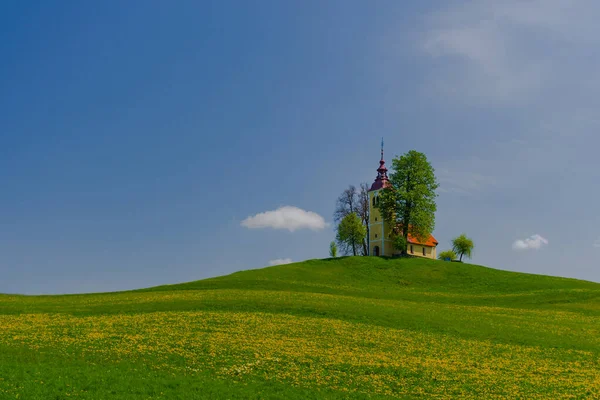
{"x": 280, "y": 261}
{"x": 597, "y": 243}
{"x": 287, "y": 217}
{"x": 533, "y": 242}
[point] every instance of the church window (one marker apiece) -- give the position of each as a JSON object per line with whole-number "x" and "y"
{"x": 374, "y": 198}
{"x": 423, "y": 250}
{"x": 375, "y": 236}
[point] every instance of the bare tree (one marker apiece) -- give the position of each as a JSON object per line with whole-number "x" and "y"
{"x": 353, "y": 201}
{"x": 363, "y": 213}
{"x": 347, "y": 203}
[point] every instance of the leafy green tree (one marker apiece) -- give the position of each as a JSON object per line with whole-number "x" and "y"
{"x": 447, "y": 255}
{"x": 399, "y": 243}
{"x": 332, "y": 250}
{"x": 351, "y": 232}
{"x": 408, "y": 203}
{"x": 463, "y": 246}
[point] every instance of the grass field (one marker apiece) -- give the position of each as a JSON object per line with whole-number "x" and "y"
{"x": 357, "y": 327}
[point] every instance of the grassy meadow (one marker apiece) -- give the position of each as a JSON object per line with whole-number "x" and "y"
{"x": 356, "y": 327}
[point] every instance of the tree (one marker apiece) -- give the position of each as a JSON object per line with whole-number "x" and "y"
{"x": 346, "y": 203}
{"x": 351, "y": 232}
{"x": 408, "y": 203}
{"x": 332, "y": 250}
{"x": 447, "y": 255}
{"x": 354, "y": 201}
{"x": 463, "y": 246}
{"x": 363, "y": 214}
{"x": 399, "y": 242}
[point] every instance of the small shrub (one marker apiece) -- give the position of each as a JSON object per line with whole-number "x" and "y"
{"x": 332, "y": 250}
{"x": 448, "y": 255}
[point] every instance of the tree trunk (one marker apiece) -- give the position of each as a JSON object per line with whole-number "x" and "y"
{"x": 405, "y": 225}
{"x": 368, "y": 240}
{"x": 460, "y": 259}
{"x": 354, "y": 247}
{"x": 406, "y": 222}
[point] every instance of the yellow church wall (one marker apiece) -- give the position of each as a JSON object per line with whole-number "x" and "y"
{"x": 386, "y": 248}
{"x": 375, "y": 240}
{"x": 374, "y": 214}
{"x": 372, "y": 247}
{"x": 389, "y": 248}
{"x": 417, "y": 250}
{"x": 376, "y": 232}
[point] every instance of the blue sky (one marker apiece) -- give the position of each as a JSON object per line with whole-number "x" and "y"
{"x": 135, "y": 137}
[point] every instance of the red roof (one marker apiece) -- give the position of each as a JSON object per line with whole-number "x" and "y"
{"x": 380, "y": 184}
{"x": 429, "y": 242}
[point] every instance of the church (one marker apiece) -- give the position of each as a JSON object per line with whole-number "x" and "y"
{"x": 380, "y": 234}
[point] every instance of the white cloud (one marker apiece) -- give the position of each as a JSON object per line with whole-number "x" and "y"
{"x": 287, "y": 217}
{"x": 533, "y": 242}
{"x": 515, "y": 51}
{"x": 280, "y": 261}
{"x": 597, "y": 243}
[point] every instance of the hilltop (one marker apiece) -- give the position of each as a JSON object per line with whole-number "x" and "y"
{"x": 383, "y": 277}
{"x": 363, "y": 327}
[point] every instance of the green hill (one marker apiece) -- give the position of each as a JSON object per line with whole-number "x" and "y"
{"x": 356, "y": 327}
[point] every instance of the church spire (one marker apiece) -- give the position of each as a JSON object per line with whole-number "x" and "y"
{"x": 382, "y": 179}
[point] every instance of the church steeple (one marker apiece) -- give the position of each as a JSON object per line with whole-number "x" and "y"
{"x": 382, "y": 180}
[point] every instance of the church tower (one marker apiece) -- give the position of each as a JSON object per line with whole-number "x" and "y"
{"x": 380, "y": 243}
